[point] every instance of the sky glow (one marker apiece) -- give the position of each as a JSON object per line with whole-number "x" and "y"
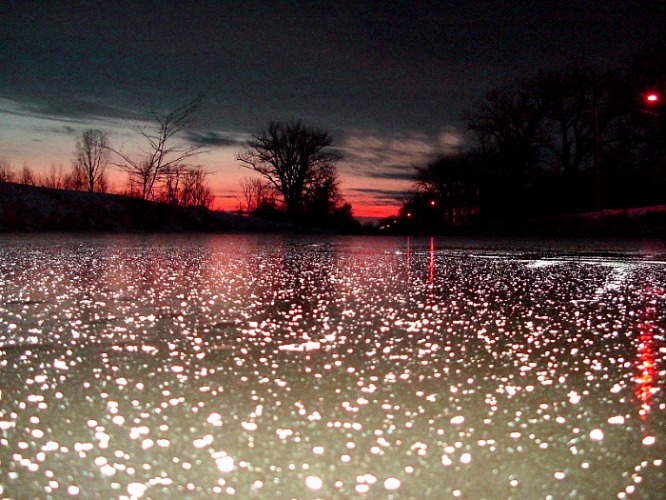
{"x": 390, "y": 83}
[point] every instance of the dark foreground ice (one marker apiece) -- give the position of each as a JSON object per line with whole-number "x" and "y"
{"x": 192, "y": 367}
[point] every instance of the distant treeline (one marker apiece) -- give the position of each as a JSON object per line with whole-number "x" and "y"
{"x": 297, "y": 180}
{"x": 566, "y": 141}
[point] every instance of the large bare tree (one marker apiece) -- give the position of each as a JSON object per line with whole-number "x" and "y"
{"x": 291, "y": 157}
{"x": 91, "y": 159}
{"x": 508, "y": 122}
{"x": 578, "y": 116}
{"x": 161, "y": 153}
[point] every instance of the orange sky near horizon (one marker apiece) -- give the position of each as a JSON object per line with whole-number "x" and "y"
{"x": 366, "y": 210}
{"x": 228, "y": 194}
{"x": 226, "y": 188}
{"x": 224, "y": 179}
{"x": 43, "y": 143}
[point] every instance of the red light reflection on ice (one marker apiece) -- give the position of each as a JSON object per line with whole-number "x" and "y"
{"x": 431, "y": 266}
{"x": 647, "y": 357}
{"x": 646, "y": 370}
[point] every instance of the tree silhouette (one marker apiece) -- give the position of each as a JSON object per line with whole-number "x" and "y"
{"x": 508, "y": 123}
{"x": 161, "y": 153}
{"x": 576, "y": 115}
{"x": 322, "y": 193}
{"x": 195, "y": 192}
{"x": 292, "y": 157}
{"x": 258, "y": 194}
{"x": 91, "y": 159}
{"x": 55, "y": 177}
{"x": 27, "y": 176}
{"x": 6, "y": 172}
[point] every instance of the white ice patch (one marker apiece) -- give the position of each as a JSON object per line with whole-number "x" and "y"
{"x": 306, "y": 346}
{"x": 536, "y": 264}
{"x": 619, "y": 274}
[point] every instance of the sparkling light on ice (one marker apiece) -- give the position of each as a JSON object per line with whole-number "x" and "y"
{"x": 299, "y": 367}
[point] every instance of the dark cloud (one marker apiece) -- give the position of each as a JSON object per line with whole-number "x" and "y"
{"x": 397, "y": 65}
{"x": 212, "y": 138}
{"x": 398, "y": 172}
{"x": 388, "y": 155}
{"x": 65, "y": 109}
{"x": 62, "y": 129}
{"x": 388, "y": 195}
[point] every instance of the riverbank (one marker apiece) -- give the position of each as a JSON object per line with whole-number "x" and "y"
{"x": 37, "y": 209}
{"x": 638, "y": 222}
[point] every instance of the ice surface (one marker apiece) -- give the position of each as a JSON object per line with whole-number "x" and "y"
{"x": 275, "y": 366}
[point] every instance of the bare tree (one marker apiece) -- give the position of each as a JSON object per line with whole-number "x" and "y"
{"x": 27, "y": 176}
{"x": 172, "y": 188}
{"x": 75, "y": 180}
{"x": 322, "y": 192}
{"x": 161, "y": 153}
{"x": 195, "y": 191}
{"x": 92, "y": 157}
{"x": 575, "y": 99}
{"x": 6, "y": 172}
{"x": 258, "y": 194}
{"x": 508, "y": 122}
{"x": 54, "y": 178}
{"x": 249, "y": 187}
{"x": 290, "y": 157}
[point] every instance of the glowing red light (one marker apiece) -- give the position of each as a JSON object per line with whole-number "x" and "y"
{"x": 652, "y": 98}
{"x": 647, "y": 377}
{"x": 431, "y": 266}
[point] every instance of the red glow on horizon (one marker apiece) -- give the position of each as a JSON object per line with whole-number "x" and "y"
{"x": 362, "y": 210}
{"x": 225, "y": 204}
{"x": 375, "y": 211}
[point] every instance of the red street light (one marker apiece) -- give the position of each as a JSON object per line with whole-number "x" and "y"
{"x": 652, "y": 98}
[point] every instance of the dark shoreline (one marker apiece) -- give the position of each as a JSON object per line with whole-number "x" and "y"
{"x": 38, "y": 209}
{"x": 30, "y": 209}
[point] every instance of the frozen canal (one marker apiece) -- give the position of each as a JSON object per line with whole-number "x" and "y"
{"x": 277, "y": 367}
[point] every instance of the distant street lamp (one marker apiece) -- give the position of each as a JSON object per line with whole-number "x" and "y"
{"x": 652, "y": 103}
{"x": 652, "y": 98}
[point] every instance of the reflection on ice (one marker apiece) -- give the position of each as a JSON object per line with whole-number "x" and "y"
{"x": 310, "y": 345}
{"x": 259, "y": 367}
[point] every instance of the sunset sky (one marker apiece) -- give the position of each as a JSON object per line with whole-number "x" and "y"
{"x": 389, "y": 80}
